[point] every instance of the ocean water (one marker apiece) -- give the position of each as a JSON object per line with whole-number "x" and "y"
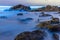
{"x": 11, "y": 26}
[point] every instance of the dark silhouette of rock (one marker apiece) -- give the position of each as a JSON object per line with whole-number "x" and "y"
{"x": 55, "y": 21}
{"x": 55, "y": 28}
{"x": 34, "y": 35}
{"x": 48, "y": 8}
{"x": 51, "y": 8}
{"x": 20, "y": 7}
{"x": 55, "y": 36}
{"x": 27, "y": 19}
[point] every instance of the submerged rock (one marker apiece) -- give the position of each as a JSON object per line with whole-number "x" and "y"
{"x": 19, "y": 14}
{"x": 55, "y": 28}
{"x": 27, "y": 19}
{"x": 34, "y": 35}
{"x": 43, "y": 14}
{"x": 55, "y": 37}
{"x": 4, "y": 17}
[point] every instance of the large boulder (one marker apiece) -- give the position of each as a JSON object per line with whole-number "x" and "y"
{"x": 20, "y": 7}
{"x": 34, "y": 35}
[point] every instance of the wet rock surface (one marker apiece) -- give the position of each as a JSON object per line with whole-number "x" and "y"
{"x": 44, "y": 24}
{"x": 34, "y": 35}
{"x": 55, "y": 36}
{"x": 55, "y": 28}
{"x": 55, "y": 21}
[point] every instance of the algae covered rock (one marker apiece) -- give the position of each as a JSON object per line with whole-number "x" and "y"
{"x": 44, "y": 24}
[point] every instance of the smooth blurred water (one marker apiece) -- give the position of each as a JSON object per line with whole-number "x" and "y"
{"x": 2, "y": 8}
{"x": 11, "y": 26}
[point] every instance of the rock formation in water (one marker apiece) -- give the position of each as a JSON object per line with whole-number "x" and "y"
{"x": 20, "y": 14}
{"x": 55, "y": 28}
{"x": 55, "y": 21}
{"x": 55, "y": 36}
{"x": 48, "y": 8}
{"x": 20, "y": 7}
{"x": 52, "y": 26}
{"x": 34, "y": 35}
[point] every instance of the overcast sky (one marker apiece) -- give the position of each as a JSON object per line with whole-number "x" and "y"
{"x": 29, "y": 2}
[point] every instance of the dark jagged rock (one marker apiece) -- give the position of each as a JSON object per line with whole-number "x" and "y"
{"x": 55, "y": 28}
{"x": 20, "y": 7}
{"x": 55, "y": 21}
{"x": 48, "y": 8}
{"x": 55, "y": 37}
{"x": 34, "y": 35}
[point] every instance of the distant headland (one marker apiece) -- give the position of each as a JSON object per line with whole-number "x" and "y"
{"x": 28, "y": 8}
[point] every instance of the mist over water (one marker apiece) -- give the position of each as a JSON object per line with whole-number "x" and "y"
{"x": 2, "y": 8}
{"x": 11, "y": 26}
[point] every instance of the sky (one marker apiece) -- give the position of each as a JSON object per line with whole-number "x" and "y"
{"x": 29, "y": 2}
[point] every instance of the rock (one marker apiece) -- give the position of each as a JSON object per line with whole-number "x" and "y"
{"x": 55, "y": 37}
{"x": 29, "y": 18}
{"x": 51, "y": 8}
{"x": 4, "y": 17}
{"x": 19, "y": 14}
{"x": 23, "y": 36}
{"x": 43, "y": 24}
{"x": 34, "y": 35}
{"x": 39, "y": 32}
{"x": 55, "y": 28}
{"x": 43, "y": 14}
{"x": 59, "y": 12}
{"x": 20, "y": 7}
{"x": 55, "y": 21}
